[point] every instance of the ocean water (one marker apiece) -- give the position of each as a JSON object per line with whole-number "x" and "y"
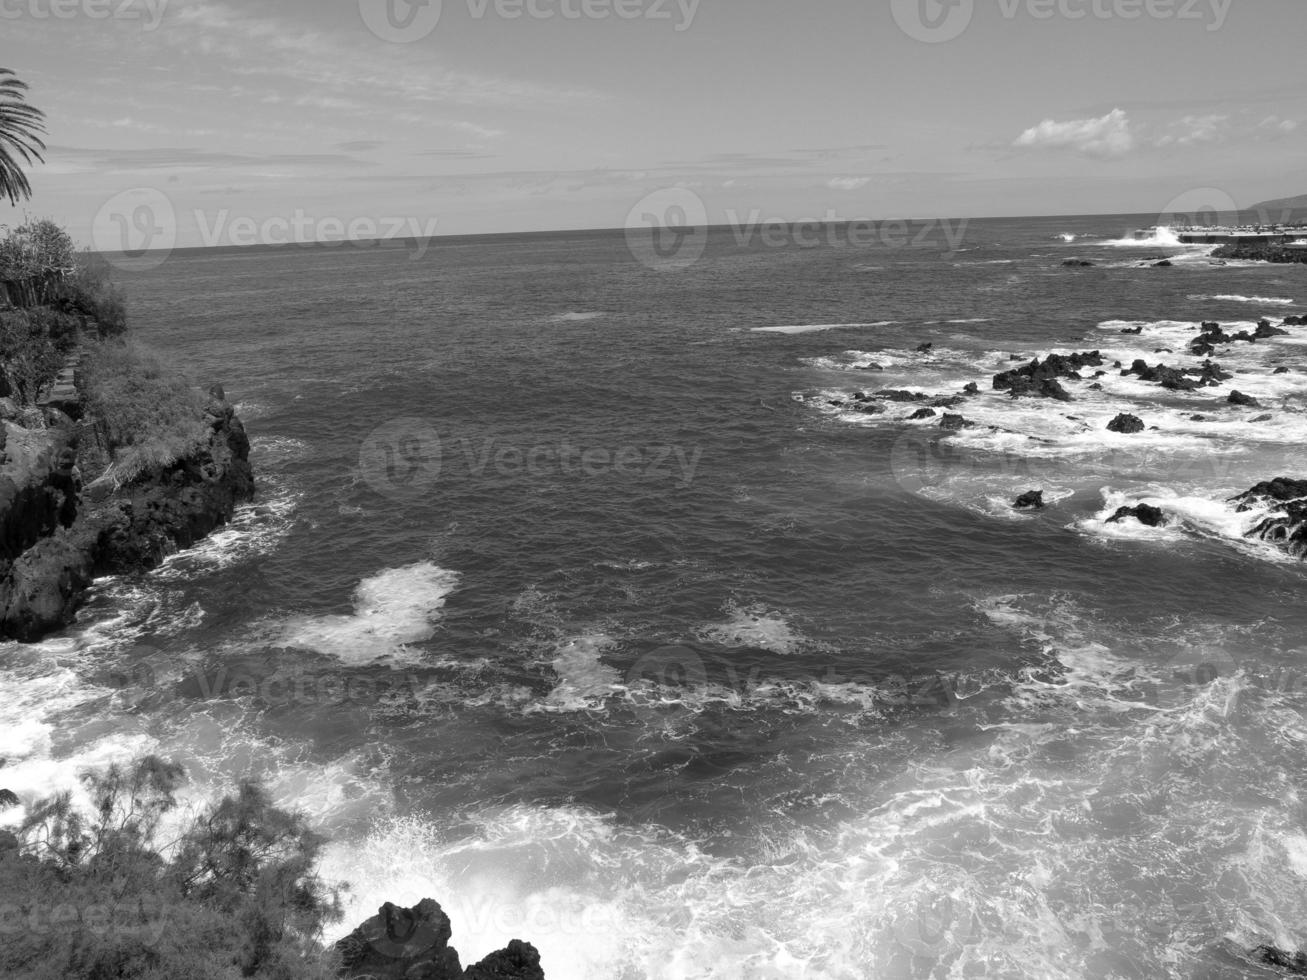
{"x": 570, "y": 600}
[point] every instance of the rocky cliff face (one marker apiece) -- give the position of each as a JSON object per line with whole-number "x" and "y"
{"x": 56, "y": 536}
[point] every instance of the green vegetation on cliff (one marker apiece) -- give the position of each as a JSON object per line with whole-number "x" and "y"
{"x": 92, "y": 893}
{"x": 145, "y": 415}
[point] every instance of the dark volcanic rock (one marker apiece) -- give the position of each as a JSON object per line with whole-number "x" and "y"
{"x": 1209, "y": 374}
{"x": 1295, "y": 321}
{"x": 925, "y": 348}
{"x": 1040, "y": 378}
{"x": 1030, "y": 500}
{"x": 59, "y": 538}
{"x": 1164, "y": 264}
{"x": 1286, "y": 528}
{"x": 1133, "y": 330}
{"x": 401, "y": 943}
{"x": 1126, "y": 424}
{"x": 1266, "y": 331}
{"x": 922, "y": 413}
{"x": 520, "y": 961}
{"x": 869, "y": 367}
{"x": 902, "y": 396}
{"x": 1077, "y": 264}
{"x": 1145, "y": 514}
{"x": 954, "y": 423}
{"x": 413, "y": 944}
{"x": 8, "y": 799}
{"x": 971, "y": 389}
{"x": 1239, "y": 398}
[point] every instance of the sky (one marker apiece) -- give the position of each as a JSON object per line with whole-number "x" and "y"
{"x": 230, "y": 121}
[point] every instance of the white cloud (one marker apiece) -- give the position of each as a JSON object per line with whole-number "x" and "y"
{"x": 847, "y": 183}
{"x": 1196, "y": 129}
{"x": 1109, "y": 136}
{"x": 1277, "y": 125}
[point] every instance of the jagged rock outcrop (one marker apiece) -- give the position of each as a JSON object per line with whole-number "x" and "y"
{"x": 1030, "y": 500}
{"x": 1287, "y": 527}
{"x": 1126, "y": 424}
{"x": 1040, "y": 378}
{"x": 1145, "y": 514}
{"x": 1207, "y": 375}
{"x": 56, "y": 536}
{"x": 413, "y": 944}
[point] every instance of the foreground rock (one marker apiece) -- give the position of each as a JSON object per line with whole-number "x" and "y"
{"x": 1126, "y": 424}
{"x": 1287, "y": 526}
{"x": 56, "y": 537}
{"x": 1145, "y": 514}
{"x": 413, "y": 944}
{"x": 1030, "y": 500}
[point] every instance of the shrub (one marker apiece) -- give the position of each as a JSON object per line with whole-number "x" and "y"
{"x": 39, "y": 252}
{"x": 145, "y": 415}
{"x": 30, "y": 358}
{"x": 88, "y": 292}
{"x": 94, "y": 895}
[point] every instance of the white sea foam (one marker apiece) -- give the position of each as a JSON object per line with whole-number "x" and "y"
{"x": 1235, "y": 298}
{"x": 754, "y": 626}
{"x": 795, "y": 329}
{"x": 998, "y": 858}
{"x": 584, "y": 680}
{"x": 393, "y": 609}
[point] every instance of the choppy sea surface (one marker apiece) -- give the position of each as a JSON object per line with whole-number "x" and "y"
{"x": 570, "y": 600}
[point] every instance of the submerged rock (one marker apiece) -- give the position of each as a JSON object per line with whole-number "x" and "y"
{"x": 1030, "y": 500}
{"x": 1145, "y": 514}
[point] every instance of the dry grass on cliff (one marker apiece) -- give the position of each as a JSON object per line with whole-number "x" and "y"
{"x": 145, "y": 414}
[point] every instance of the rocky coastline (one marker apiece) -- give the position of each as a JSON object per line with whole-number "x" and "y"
{"x": 57, "y": 535}
{"x": 1262, "y": 253}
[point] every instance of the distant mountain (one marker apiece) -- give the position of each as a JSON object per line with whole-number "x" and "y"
{"x": 1282, "y": 209}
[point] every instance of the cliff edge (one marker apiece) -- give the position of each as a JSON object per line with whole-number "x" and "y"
{"x": 57, "y": 535}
